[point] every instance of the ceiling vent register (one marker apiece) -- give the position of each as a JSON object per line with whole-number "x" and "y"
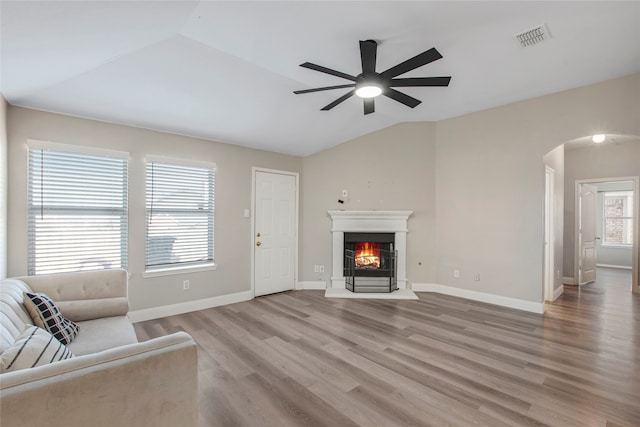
{"x": 533, "y": 36}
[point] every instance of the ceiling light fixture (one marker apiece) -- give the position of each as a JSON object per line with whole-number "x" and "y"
{"x": 598, "y": 138}
{"x": 368, "y": 90}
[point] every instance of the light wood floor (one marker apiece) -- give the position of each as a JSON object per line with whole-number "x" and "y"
{"x": 298, "y": 359}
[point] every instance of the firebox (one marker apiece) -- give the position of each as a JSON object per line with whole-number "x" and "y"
{"x": 371, "y": 258}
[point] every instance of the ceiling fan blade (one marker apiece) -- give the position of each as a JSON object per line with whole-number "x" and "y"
{"x": 401, "y": 97}
{"x": 318, "y": 89}
{"x": 420, "y": 81}
{"x": 369, "y": 105}
{"x": 326, "y": 70}
{"x": 410, "y": 64}
{"x": 368, "y": 50}
{"x": 339, "y": 100}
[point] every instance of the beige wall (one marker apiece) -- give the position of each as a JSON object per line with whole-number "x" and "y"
{"x": 475, "y": 184}
{"x": 391, "y": 169}
{"x": 3, "y": 187}
{"x": 555, "y": 160}
{"x": 594, "y": 162}
{"x": 233, "y": 195}
{"x": 490, "y": 182}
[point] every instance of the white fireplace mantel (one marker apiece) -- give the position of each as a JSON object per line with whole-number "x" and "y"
{"x": 373, "y": 222}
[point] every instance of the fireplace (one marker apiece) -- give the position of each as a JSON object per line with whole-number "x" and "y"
{"x": 375, "y": 244}
{"x": 370, "y": 262}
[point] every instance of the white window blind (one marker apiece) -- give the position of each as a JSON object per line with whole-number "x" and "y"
{"x": 77, "y": 211}
{"x": 180, "y": 215}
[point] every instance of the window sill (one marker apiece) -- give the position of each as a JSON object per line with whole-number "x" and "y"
{"x": 614, "y": 246}
{"x": 169, "y": 271}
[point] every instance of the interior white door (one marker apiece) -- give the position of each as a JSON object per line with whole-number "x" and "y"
{"x": 587, "y": 233}
{"x": 274, "y": 242}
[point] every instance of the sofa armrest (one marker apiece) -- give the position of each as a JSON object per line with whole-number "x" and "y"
{"x": 84, "y": 295}
{"x": 152, "y": 383}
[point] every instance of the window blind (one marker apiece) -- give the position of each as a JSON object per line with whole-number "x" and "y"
{"x": 180, "y": 215}
{"x": 77, "y": 211}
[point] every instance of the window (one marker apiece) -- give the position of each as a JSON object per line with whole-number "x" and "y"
{"x": 180, "y": 215}
{"x": 77, "y": 209}
{"x": 618, "y": 224}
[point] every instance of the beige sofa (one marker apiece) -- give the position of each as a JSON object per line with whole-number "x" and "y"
{"x": 114, "y": 380}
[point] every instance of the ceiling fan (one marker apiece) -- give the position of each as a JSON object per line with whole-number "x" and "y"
{"x": 370, "y": 84}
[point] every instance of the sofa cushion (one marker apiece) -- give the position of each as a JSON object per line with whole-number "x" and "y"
{"x": 45, "y": 314}
{"x": 34, "y": 347}
{"x": 102, "y": 334}
{"x": 88, "y": 309}
{"x": 14, "y": 317}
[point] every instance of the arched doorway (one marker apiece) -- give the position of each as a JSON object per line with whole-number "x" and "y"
{"x": 582, "y": 162}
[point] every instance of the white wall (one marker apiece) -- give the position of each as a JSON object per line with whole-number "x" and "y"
{"x": 600, "y": 161}
{"x": 233, "y": 195}
{"x": 490, "y": 182}
{"x": 391, "y": 169}
{"x": 3, "y": 187}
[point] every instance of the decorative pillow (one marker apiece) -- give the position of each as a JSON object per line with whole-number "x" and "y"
{"x": 33, "y": 347}
{"x": 45, "y": 314}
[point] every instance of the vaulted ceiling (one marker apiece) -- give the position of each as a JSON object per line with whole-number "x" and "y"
{"x": 226, "y": 71}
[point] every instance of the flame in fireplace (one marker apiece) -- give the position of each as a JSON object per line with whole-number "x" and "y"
{"x": 367, "y": 255}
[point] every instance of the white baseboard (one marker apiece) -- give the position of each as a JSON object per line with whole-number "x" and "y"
{"x": 186, "y": 307}
{"x": 312, "y": 285}
{"x": 625, "y": 267}
{"x": 568, "y": 281}
{"x": 557, "y": 292}
{"x": 534, "y": 307}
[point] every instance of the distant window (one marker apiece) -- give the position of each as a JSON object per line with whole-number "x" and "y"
{"x": 180, "y": 215}
{"x": 618, "y": 218}
{"x": 77, "y": 210}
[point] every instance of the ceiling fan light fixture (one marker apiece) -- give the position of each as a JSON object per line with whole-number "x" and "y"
{"x": 368, "y": 91}
{"x": 597, "y": 139}
{"x": 370, "y": 83}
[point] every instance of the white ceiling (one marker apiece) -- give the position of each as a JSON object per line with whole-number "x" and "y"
{"x": 225, "y": 71}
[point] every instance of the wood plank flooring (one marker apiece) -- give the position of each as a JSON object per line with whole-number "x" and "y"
{"x": 299, "y": 359}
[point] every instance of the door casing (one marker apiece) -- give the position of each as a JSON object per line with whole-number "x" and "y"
{"x": 549, "y": 235}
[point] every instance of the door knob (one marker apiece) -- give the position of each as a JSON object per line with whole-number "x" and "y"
{"x": 258, "y": 243}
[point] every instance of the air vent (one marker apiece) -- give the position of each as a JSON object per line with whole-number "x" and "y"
{"x": 533, "y": 36}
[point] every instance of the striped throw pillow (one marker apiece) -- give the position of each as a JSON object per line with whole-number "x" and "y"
{"x": 45, "y": 314}
{"x": 33, "y": 347}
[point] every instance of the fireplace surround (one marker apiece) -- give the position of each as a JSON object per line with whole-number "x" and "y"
{"x": 391, "y": 222}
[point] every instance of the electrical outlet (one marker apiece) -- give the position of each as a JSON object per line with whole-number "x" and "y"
{"x": 316, "y": 268}
{"x": 322, "y": 269}
{"x": 456, "y": 274}
{"x": 185, "y": 285}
